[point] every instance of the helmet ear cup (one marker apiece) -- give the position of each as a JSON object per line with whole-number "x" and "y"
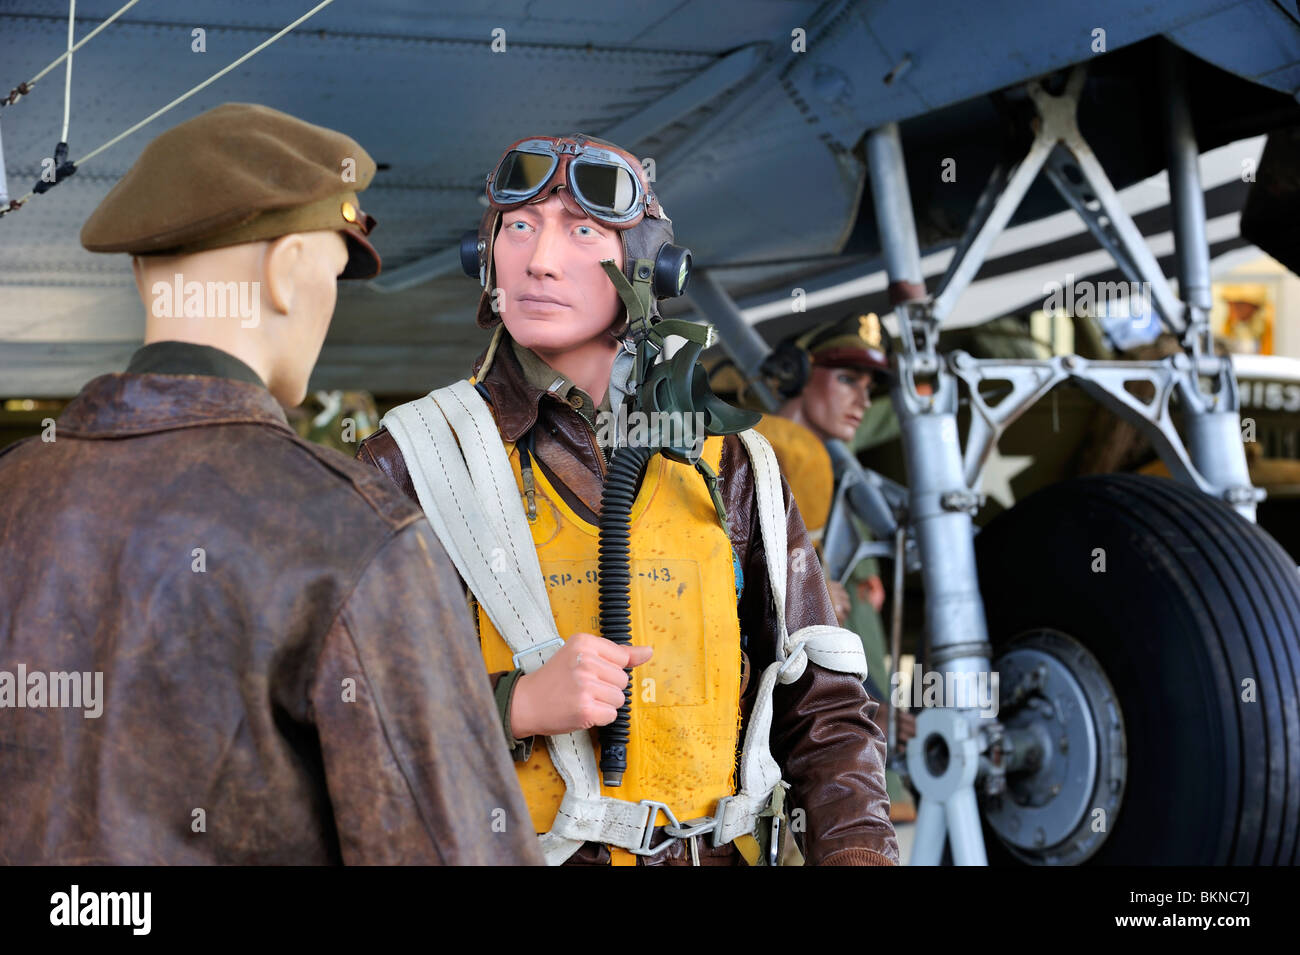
{"x": 646, "y": 240}
{"x": 487, "y": 316}
{"x": 790, "y": 364}
{"x": 672, "y": 271}
{"x": 471, "y": 255}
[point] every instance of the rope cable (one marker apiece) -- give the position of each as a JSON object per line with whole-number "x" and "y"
{"x": 26, "y": 87}
{"x": 14, "y": 204}
{"x": 67, "y": 81}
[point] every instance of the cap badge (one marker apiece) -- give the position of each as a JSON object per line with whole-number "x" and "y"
{"x": 869, "y": 329}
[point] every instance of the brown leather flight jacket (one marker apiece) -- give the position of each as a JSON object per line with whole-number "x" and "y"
{"x": 289, "y": 673}
{"x": 823, "y": 732}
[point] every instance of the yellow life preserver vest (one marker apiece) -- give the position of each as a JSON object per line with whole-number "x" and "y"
{"x": 806, "y": 465}
{"x": 685, "y": 719}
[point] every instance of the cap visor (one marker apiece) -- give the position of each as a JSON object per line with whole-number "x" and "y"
{"x": 852, "y": 358}
{"x": 363, "y": 260}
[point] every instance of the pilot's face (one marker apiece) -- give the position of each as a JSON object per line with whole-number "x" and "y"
{"x": 554, "y": 295}
{"x": 835, "y": 400}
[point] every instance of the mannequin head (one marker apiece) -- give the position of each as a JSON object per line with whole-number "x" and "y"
{"x": 268, "y": 303}
{"x": 833, "y": 402}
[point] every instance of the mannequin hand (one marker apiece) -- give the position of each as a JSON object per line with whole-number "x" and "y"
{"x": 872, "y": 590}
{"x": 578, "y": 688}
{"x": 839, "y": 600}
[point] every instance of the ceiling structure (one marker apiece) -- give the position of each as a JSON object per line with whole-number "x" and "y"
{"x": 755, "y": 142}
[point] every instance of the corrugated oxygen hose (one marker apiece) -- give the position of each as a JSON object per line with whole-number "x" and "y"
{"x": 615, "y": 594}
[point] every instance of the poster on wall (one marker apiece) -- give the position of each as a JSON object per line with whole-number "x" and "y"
{"x": 1243, "y": 316}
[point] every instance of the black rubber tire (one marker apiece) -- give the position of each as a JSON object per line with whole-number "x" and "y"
{"x": 1194, "y": 601}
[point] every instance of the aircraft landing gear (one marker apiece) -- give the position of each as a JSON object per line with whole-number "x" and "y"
{"x": 1149, "y": 711}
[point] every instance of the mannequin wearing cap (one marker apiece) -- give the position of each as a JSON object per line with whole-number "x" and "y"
{"x": 284, "y": 228}
{"x": 834, "y": 399}
{"x": 310, "y": 669}
{"x": 846, "y": 361}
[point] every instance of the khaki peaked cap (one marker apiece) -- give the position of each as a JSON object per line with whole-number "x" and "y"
{"x": 238, "y": 173}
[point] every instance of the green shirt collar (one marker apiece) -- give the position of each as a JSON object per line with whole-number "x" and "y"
{"x": 187, "y": 358}
{"x": 542, "y": 376}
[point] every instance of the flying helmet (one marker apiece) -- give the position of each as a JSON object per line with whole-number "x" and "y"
{"x": 854, "y": 341}
{"x": 592, "y": 178}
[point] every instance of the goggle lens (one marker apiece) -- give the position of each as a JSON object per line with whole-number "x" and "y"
{"x": 523, "y": 173}
{"x": 603, "y": 186}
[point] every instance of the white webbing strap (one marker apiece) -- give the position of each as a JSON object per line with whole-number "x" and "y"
{"x": 466, "y": 486}
{"x": 494, "y": 480}
{"x": 831, "y": 647}
{"x": 475, "y": 532}
{"x": 483, "y": 544}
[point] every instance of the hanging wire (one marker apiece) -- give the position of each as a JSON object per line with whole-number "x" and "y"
{"x": 67, "y": 81}
{"x": 211, "y": 79}
{"x": 24, "y": 88}
{"x": 14, "y": 204}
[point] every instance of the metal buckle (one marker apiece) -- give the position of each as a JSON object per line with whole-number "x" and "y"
{"x": 535, "y": 648}
{"x": 719, "y": 814}
{"x": 690, "y": 830}
{"x": 695, "y": 827}
{"x": 649, "y": 831}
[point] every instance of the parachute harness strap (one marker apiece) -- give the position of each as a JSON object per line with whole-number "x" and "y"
{"x": 465, "y": 484}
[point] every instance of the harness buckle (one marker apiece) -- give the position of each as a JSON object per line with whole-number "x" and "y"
{"x": 695, "y": 827}
{"x": 535, "y": 648}
{"x": 719, "y": 817}
{"x": 653, "y": 807}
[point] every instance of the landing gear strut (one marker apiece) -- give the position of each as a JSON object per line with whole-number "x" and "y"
{"x": 1052, "y": 773}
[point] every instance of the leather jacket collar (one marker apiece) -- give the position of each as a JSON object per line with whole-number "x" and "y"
{"x": 122, "y": 404}
{"x": 514, "y": 399}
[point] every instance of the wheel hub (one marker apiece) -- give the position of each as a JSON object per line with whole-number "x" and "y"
{"x": 1064, "y": 731}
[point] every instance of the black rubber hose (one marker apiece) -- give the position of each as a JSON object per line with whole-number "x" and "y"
{"x": 615, "y": 591}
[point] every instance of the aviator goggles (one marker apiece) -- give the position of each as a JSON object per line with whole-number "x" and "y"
{"x": 605, "y": 182}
